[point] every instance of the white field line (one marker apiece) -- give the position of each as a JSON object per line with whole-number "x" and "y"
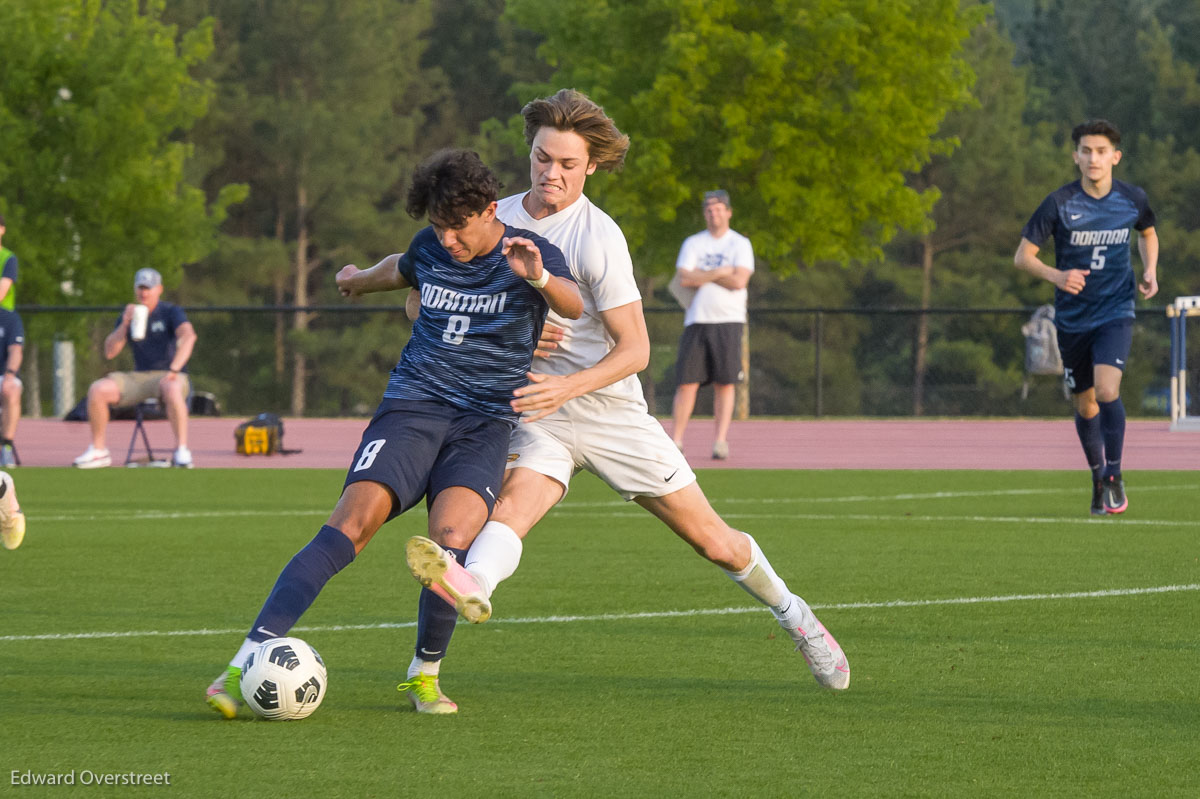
{"x": 617, "y": 508}
{"x": 661, "y": 614}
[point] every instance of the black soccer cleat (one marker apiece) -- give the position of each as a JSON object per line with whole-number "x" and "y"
{"x": 1098, "y": 498}
{"x": 1115, "y": 500}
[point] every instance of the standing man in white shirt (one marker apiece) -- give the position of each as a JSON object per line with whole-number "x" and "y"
{"x": 717, "y": 263}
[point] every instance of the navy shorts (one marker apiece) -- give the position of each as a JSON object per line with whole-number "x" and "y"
{"x": 1108, "y": 345}
{"x": 710, "y": 354}
{"x": 419, "y": 449}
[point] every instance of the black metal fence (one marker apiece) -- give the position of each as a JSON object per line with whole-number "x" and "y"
{"x": 804, "y": 362}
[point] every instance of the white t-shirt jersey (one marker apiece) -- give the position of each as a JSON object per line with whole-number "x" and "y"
{"x": 599, "y": 259}
{"x": 714, "y": 304}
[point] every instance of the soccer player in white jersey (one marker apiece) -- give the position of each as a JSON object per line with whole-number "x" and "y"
{"x": 584, "y": 409}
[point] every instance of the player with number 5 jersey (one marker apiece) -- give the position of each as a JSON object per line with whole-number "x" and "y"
{"x": 1089, "y": 221}
{"x": 441, "y": 431}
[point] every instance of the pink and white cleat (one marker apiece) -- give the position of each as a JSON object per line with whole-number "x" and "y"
{"x": 437, "y": 570}
{"x": 824, "y": 657}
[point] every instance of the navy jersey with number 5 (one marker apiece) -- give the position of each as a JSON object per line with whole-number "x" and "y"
{"x": 479, "y": 322}
{"x": 1092, "y": 234}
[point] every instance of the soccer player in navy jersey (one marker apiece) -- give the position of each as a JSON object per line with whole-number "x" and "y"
{"x": 441, "y": 431}
{"x": 1094, "y": 294}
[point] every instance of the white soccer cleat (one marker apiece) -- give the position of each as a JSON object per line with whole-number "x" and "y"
{"x": 12, "y": 520}
{"x": 437, "y": 570}
{"x": 821, "y": 652}
{"x": 93, "y": 459}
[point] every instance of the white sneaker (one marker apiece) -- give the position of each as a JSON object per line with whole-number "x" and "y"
{"x": 824, "y": 657}
{"x": 182, "y": 458}
{"x": 93, "y": 458}
{"x": 12, "y": 521}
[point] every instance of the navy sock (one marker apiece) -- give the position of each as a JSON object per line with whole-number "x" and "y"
{"x": 436, "y": 620}
{"x": 300, "y": 581}
{"x": 1112, "y": 427}
{"x": 1093, "y": 443}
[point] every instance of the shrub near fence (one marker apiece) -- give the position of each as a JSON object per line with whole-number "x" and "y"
{"x": 804, "y": 362}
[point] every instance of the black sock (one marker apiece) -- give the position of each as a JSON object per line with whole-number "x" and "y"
{"x": 300, "y": 581}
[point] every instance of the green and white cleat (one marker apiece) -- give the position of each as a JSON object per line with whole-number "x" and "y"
{"x": 437, "y": 570}
{"x": 225, "y": 693}
{"x": 427, "y": 697}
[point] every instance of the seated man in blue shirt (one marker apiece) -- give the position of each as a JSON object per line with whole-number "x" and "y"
{"x": 161, "y": 349}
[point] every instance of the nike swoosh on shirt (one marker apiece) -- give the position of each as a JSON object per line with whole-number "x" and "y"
{"x": 1075, "y": 216}
{"x": 667, "y": 479}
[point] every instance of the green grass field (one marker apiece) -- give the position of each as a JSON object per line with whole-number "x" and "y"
{"x": 1002, "y": 643}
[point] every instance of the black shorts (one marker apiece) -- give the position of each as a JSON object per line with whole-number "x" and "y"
{"x": 710, "y": 354}
{"x": 419, "y": 449}
{"x": 1108, "y": 344}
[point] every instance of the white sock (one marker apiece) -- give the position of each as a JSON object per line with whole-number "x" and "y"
{"x": 760, "y": 581}
{"x": 418, "y": 666}
{"x": 494, "y": 555}
{"x": 242, "y": 652}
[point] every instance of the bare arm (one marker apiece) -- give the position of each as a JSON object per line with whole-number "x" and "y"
{"x": 1148, "y": 250}
{"x": 114, "y": 342}
{"x": 383, "y": 276}
{"x": 16, "y": 353}
{"x": 695, "y": 278}
{"x": 525, "y": 259}
{"x": 630, "y": 353}
{"x": 736, "y": 281}
{"x": 5, "y": 285}
{"x": 185, "y": 342}
{"x": 1071, "y": 281}
{"x": 412, "y": 305}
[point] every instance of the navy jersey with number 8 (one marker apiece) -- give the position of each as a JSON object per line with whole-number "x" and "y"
{"x": 479, "y": 322}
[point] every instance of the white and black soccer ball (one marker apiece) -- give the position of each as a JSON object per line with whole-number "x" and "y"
{"x": 283, "y": 679}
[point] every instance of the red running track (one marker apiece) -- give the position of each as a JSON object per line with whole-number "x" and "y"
{"x": 757, "y": 444}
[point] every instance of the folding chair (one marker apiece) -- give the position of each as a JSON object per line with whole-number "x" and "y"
{"x": 150, "y": 409}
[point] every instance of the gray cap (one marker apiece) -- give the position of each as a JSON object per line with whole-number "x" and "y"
{"x": 147, "y": 277}
{"x": 720, "y": 195}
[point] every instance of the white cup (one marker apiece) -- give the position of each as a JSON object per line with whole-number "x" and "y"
{"x": 137, "y": 325}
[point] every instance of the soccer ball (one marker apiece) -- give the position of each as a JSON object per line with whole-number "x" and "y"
{"x": 283, "y": 679}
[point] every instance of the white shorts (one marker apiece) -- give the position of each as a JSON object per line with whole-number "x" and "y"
{"x": 618, "y": 441}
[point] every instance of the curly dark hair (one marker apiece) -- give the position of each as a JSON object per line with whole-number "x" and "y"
{"x": 450, "y": 186}
{"x": 1096, "y": 127}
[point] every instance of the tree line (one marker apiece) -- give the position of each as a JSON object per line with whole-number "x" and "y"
{"x": 879, "y": 155}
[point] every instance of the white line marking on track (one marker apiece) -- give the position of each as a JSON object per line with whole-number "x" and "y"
{"x": 659, "y": 614}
